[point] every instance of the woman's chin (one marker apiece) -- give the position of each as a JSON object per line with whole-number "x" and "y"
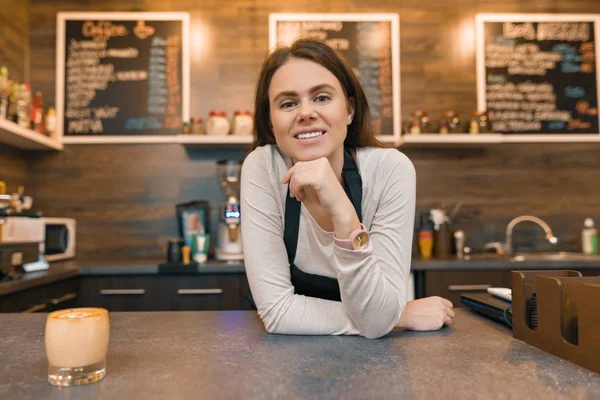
{"x": 309, "y": 154}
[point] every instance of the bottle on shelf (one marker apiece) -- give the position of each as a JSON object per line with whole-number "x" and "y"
{"x": 51, "y": 123}
{"x": 4, "y": 93}
{"x": 23, "y": 106}
{"x": 589, "y": 237}
{"x": 12, "y": 102}
{"x": 36, "y": 114}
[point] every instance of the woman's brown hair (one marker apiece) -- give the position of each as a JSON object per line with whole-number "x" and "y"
{"x": 360, "y": 131}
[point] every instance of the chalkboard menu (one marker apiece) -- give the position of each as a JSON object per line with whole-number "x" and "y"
{"x": 370, "y": 45}
{"x": 122, "y": 77}
{"x": 538, "y": 73}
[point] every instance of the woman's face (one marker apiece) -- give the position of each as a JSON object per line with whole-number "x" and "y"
{"x": 309, "y": 111}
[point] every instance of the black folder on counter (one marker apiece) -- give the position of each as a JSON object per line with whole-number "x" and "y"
{"x": 489, "y": 305}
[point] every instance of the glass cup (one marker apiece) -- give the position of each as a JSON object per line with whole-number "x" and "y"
{"x": 76, "y": 346}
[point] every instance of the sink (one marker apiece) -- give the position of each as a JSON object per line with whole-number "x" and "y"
{"x": 522, "y": 257}
{"x": 560, "y": 256}
{"x": 485, "y": 257}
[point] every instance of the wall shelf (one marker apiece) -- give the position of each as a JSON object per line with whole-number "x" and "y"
{"x": 204, "y": 140}
{"x": 438, "y": 139}
{"x": 482, "y": 139}
{"x": 27, "y": 139}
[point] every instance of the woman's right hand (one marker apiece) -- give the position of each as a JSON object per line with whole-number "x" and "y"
{"x": 427, "y": 314}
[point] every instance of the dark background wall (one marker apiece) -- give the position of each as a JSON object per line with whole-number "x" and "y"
{"x": 14, "y": 37}
{"x": 123, "y": 196}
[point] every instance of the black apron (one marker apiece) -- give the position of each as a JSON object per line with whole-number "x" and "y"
{"x": 312, "y": 285}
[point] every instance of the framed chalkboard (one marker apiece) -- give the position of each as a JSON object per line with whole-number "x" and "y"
{"x": 538, "y": 73}
{"x": 370, "y": 44}
{"x": 122, "y": 77}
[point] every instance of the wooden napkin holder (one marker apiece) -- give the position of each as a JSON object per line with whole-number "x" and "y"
{"x": 567, "y": 314}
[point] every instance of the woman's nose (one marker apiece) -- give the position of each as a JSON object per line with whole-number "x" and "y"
{"x": 306, "y": 111}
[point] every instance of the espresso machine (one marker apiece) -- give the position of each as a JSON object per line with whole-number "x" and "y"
{"x": 229, "y": 239}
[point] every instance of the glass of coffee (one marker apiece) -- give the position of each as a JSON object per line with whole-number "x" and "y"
{"x": 76, "y": 345}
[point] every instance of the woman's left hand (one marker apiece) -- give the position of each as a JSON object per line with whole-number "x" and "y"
{"x": 318, "y": 175}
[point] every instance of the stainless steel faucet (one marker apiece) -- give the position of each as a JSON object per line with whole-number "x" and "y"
{"x": 506, "y": 248}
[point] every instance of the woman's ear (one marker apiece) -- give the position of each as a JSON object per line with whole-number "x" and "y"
{"x": 350, "y": 110}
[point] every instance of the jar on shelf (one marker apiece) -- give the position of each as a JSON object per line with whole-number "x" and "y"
{"x": 217, "y": 124}
{"x": 450, "y": 122}
{"x": 187, "y": 128}
{"x": 480, "y": 123}
{"x": 198, "y": 126}
{"x": 242, "y": 122}
{"x": 419, "y": 122}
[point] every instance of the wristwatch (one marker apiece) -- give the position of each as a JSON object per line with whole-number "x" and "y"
{"x": 358, "y": 240}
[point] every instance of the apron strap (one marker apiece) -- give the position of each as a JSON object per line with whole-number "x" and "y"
{"x": 353, "y": 188}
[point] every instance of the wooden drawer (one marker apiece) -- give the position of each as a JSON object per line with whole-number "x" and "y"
{"x": 204, "y": 292}
{"x": 120, "y": 292}
{"x": 46, "y": 298}
{"x": 450, "y": 284}
{"x": 164, "y": 292}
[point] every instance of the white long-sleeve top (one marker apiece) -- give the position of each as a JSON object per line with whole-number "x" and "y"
{"x": 373, "y": 281}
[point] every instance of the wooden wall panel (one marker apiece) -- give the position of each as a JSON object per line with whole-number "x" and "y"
{"x": 13, "y": 168}
{"x": 14, "y": 38}
{"x": 123, "y": 196}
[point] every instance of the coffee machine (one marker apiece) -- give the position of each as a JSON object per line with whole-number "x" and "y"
{"x": 229, "y": 239}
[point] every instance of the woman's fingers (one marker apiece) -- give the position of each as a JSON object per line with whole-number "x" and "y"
{"x": 447, "y": 303}
{"x": 447, "y": 320}
{"x": 449, "y": 312}
{"x": 288, "y": 175}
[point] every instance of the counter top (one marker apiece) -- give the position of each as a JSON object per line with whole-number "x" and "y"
{"x": 37, "y": 278}
{"x": 68, "y": 269}
{"x": 499, "y": 264}
{"x": 228, "y": 354}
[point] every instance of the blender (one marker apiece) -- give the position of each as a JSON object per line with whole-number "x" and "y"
{"x": 229, "y": 239}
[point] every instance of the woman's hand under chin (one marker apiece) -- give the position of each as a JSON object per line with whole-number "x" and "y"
{"x": 427, "y": 314}
{"x": 320, "y": 177}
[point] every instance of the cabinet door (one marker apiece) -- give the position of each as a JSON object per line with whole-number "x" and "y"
{"x": 120, "y": 292}
{"x": 45, "y": 298}
{"x": 203, "y": 292}
{"x": 450, "y": 284}
{"x": 195, "y": 292}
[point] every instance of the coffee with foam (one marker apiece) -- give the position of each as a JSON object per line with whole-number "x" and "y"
{"x": 77, "y": 337}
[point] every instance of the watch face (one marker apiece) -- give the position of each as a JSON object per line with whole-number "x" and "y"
{"x": 360, "y": 241}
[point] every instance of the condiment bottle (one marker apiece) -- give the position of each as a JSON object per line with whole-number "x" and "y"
{"x": 36, "y": 113}
{"x": 474, "y": 123}
{"x": 589, "y": 237}
{"x": 419, "y": 123}
{"x": 198, "y": 126}
{"x": 51, "y": 123}
{"x": 450, "y": 122}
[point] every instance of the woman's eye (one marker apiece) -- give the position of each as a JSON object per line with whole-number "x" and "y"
{"x": 321, "y": 98}
{"x": 286, "y": 104}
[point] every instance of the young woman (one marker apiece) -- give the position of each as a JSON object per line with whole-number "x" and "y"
{"x": 327, "y": 213}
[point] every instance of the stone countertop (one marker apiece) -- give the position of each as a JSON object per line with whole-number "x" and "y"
{"x": 228, "y": 354}
{"x": 499, "y": 264}
{"x": 68, "y": 269}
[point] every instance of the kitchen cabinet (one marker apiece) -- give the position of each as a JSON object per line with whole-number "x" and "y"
{"x": 199, "y": 292}
{"x": 45, "y": 298}
{"x": 152, "y": 292}
{"x": 450, "y": 284}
